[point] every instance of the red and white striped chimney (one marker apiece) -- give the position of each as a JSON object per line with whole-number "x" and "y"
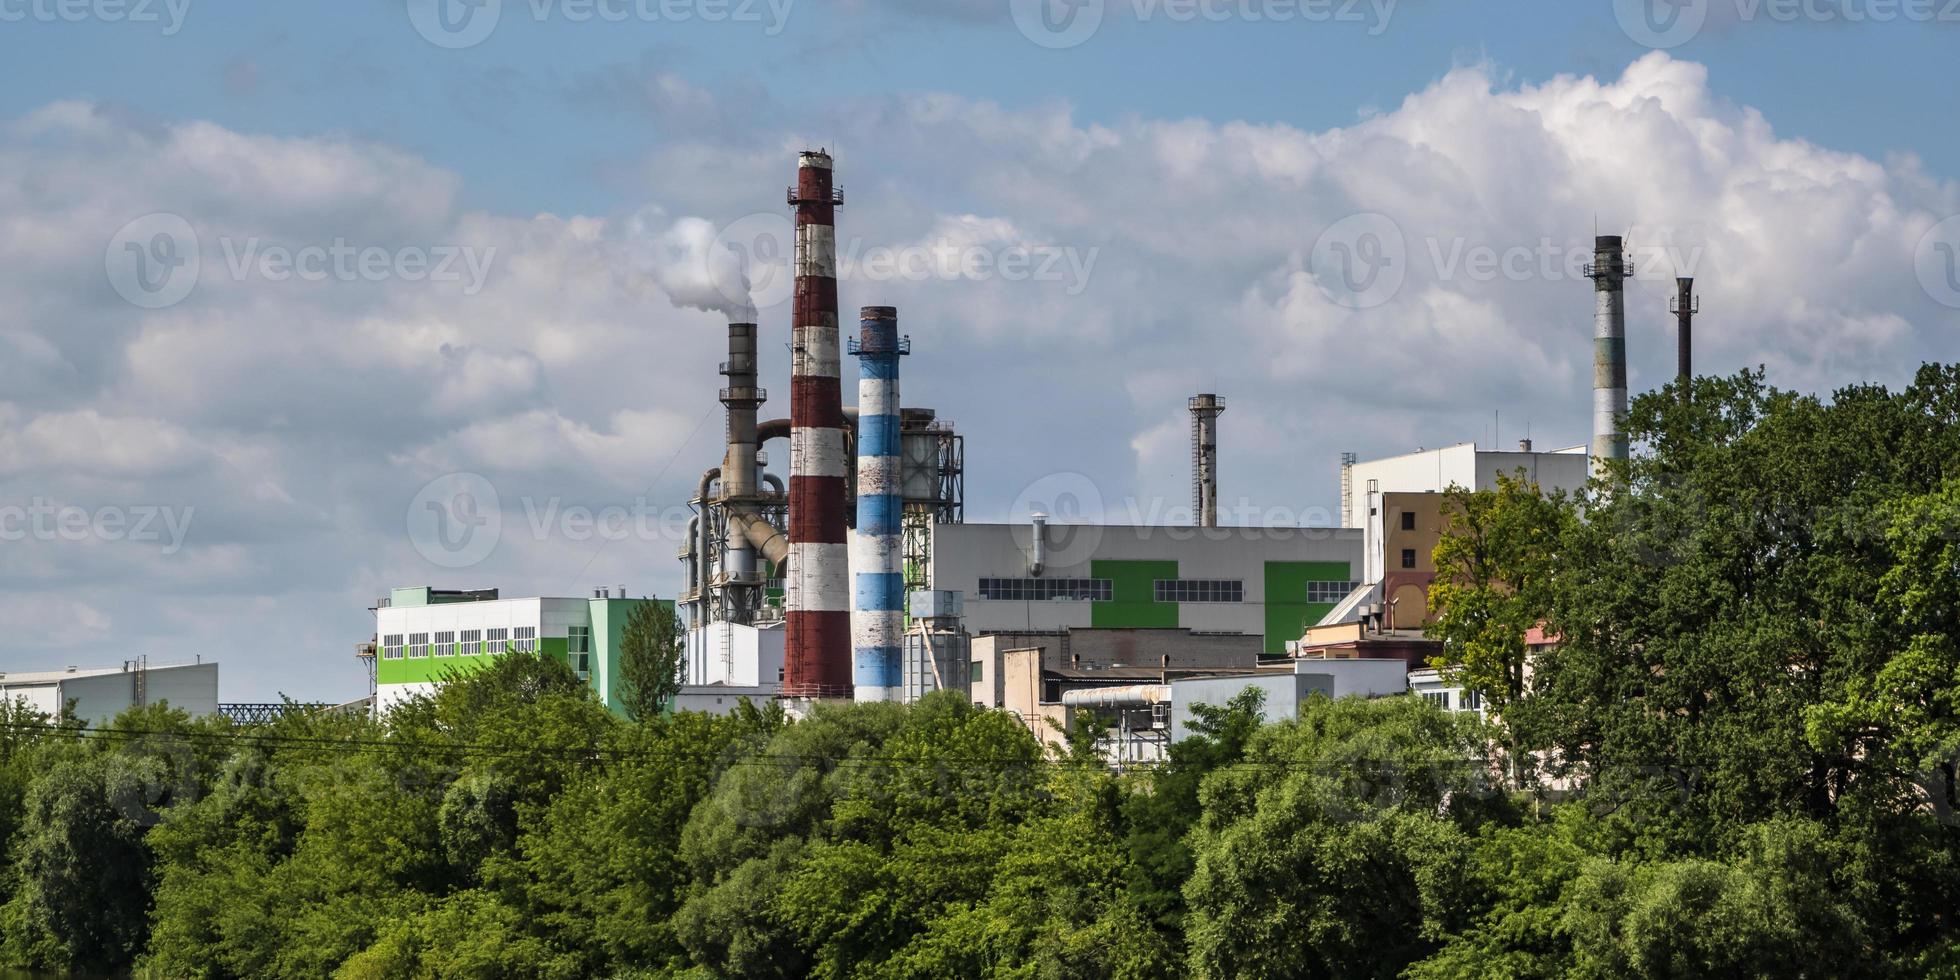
{"x": 817, "y": 658}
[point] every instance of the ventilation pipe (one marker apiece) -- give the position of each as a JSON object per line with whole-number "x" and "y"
{"x": 1038, "y": 552}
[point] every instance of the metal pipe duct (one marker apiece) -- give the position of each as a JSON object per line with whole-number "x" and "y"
{"x": 1609, "y": 271}
{"x": 1204, "y": 458}
{"x": 738, "y": 471}
{"x": 817, "y": 658}
{"x": 1126, "y": 696}
{"x": 1686, "y": 305}
{"x": 877, "y": 560}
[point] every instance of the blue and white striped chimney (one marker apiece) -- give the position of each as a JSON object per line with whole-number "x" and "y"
{"x": 878, "y": 611}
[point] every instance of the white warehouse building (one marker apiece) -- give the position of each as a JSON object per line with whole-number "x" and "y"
{"x": 101, "y": 693}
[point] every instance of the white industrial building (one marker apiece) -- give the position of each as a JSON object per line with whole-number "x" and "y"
{"x": 100, "y": 694}
{"x": 1286, "y": 691}
{"x": 1436, "y": 470}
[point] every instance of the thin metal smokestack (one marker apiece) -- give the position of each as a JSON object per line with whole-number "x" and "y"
{"x": 738, "y": 469}
{"x": 1204, "y": 458}
{"x": 1609, "y": 270}
{"x": 877, "y": 556}
{"x": 1686, "y": 305}
{"x": 817, "y": 657}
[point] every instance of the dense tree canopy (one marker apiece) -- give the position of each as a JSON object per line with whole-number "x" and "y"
{"x": 1744, "y": 738}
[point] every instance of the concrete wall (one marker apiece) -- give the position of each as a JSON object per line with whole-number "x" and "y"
{"x": 1286, "y": 691}
{"x": 721, "y": 700}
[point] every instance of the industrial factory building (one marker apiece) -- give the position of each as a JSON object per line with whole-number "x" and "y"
{"x": 423, "y": 634}
{"x": 97, "y": 695}
{"x": 1270, "y": 583}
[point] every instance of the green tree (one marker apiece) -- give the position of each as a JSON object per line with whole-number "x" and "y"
{"x": 650, "y": 659}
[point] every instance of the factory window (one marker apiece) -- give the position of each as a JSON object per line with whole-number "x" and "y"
{"x": 391, "y": 647}
{"x": 446, "y": 643}
{"x": 578, "y": 639}
{"x": 524, "y": 639}
{"x": 1200, "y": 590}
{"x": 418, "y": 645}
{"x": 495, "y": 641}
{"x": 472, "y": 643}
{"x": 1471, "y": 701}
{"x": 1408, "y": 557}
{"x": 1018, "y": 589}
{"x": 1408, "y": 520}
{"x": 1440, "y": 699}
{"x": 1328, "y": 591}
{"x": 979, "y": 672}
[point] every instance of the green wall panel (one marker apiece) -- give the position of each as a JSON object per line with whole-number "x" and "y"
{"x": 1133, "y": 591}
{"x": 1288, "y": 614}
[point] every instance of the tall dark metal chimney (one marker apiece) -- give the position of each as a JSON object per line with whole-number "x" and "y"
{"x": 1686, "y": 305}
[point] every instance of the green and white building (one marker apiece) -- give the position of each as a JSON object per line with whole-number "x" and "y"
{"x": 424, "y": 634}
{"x": 1268, "y": 582}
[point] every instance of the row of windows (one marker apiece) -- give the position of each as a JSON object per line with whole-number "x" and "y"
{"x": 1166, "y": 590}
{"x": 1092, "y": 589}
{"x": 1328, "y": 591}
{"x": 1465, "y": 700}
{"x": 450, "y": 643}
{"x": 1200, "y": 590}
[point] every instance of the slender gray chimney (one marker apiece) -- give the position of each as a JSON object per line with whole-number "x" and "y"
{"x": 1204, "y": 457}
{"x": 1608, "y": 271}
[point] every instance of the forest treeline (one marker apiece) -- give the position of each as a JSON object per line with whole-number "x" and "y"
{"x": 1737, "y": 758}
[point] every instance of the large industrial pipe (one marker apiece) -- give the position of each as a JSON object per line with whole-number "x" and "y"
{"x": 877, "y": 560}
{"x": 817, "y": 655}
{"x": 1685, "y": 308}
{"x": 1124, "y": 696}
{"x": 1609, "y": 272}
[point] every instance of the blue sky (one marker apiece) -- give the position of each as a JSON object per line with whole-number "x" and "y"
{"x": 1192, "y": 180}
{"x": 518, "y": 117}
